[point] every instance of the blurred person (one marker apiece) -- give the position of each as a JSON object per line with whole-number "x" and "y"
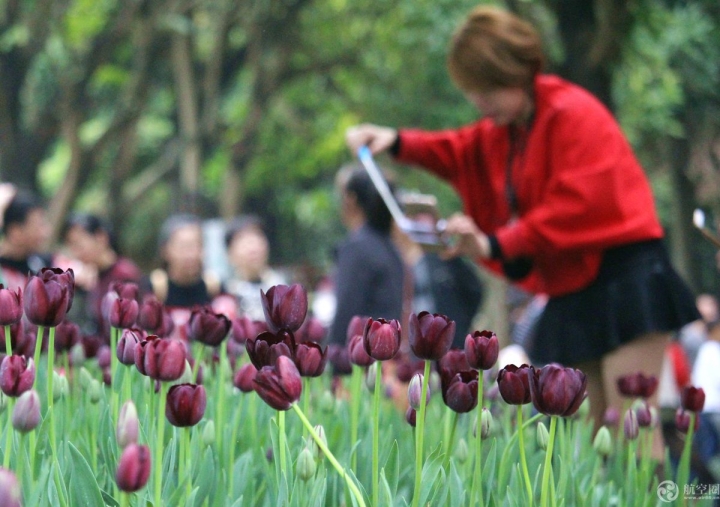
{"x": 369, "y": 270}
{"x": 694, "y": 334}
{"x": 555, "y": 200}
{"x": 706, "y": 374}
{"x": 91, "y": 241}
{"x": 248, "y": 253}
{"x": 26, "y": 232}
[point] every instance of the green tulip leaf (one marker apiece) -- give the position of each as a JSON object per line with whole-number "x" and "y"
{"x": 84, "y": 489}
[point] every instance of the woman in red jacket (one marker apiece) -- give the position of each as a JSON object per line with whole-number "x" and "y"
{"x": 555, "y": 199}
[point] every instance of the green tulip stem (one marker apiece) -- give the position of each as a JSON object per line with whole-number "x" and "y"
{"x": 477, "y": 475}
{"x": 8, "y": 341}
{"x": 548, "y": 462}
{"x": 329, "y": 455}
{"x": 124, "y": 499}
{"x": 127, "y": 383}
{"x": 197, "y": 350}
{"x": 220, "y": 407}
{"x": 376, "y": 436}
{"x": 114, "y": 395}
{"x": 419, "y": 435}
{"x": 94, "y": 423}
{"x": 184, "y": 463}
{"x": 160, "y": 442}
{"x": 683, "y": 473}
{"x": 281, "y": 441}
{"x": 523, "y": 459}
{"x": 38, "y": 349}
{"x": 8, "y": 435}
{"x": 306, "y": 397}
{"x": 33, "y": 444}
{"x": 631, "y": 472}
{"x": 50, "y": 378}
{"x": 451, "y": 421}
{"x": 355, "y": 397}
{"x": 232, "y": 448}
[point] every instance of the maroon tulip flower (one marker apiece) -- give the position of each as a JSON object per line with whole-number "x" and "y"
{"x": 556, "y": 390}
{"x": 430, "y": 335}
{"x": 16, "y": 375}
{"x": 405, "y": 367}
{"x": 64, "y": 278}
{"x": 311, "y": 331}
{"x": 415, "y": 391}
{"x": 243, "y": 329}
{"x": 208, "y": 327}
{"x": 611, "y": 417}
{"x": 310, "y": 359}
{"x": 630, "y": 425}
{"x": 125, "y": 351}
{"x": 267, "y": 347}
{"x": 514, "y": 384}
{"x": 460, "y": 390}
{"x": 643, "y": 414}
{"x": 637, "y": 385}
{"x": 244, "y": 378}
{"x": 11, "y": 307}
{"x": 285, "y": 307}
{"x": 123, "y": 313}
{"x": 692, "y": 398}
{"x": 280, "y": 385}
{"x": 10, "y": 492}
{"x": 185, "y": 405}
{"x": 150, "y": 314}
{"x": 455, "y": 361}
{"x": 46, "y": 302}
{"x": 411, "y": 416}
{"x": 682, "y": 421}
{"x": 67, "y": 334}
{"x": 481, "y": 349}
{"x": 160, "y": 358}
{"x": 339, "y": 359}
{"x": 381, "y": 338}
{"x": 356, "y": 352}
{"x": 104, "y": 356}
{"x": 26, "y": 414}
{"x": 133, "y": 471}
{"x": 167, "y": 327}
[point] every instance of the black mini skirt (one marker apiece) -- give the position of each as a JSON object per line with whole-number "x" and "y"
{"x": 636, "y": 292}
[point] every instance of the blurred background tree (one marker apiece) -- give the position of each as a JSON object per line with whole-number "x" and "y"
{"x": 136, "y": 108}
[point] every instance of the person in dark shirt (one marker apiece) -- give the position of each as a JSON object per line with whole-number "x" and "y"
{"x": 369, "y": 270}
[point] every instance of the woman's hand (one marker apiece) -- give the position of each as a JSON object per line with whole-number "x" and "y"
{"x": 375, "y": 137}
{"x": 469, "y": 240}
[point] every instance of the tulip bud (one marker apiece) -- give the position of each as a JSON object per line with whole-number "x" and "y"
{"x": 10, "y": 492}
{"x": 208, "y": 327}
{"x": 11, "y": 309}
{"x": 67, "y": 334}
{"x": 630, "y": 425}
{"x": 185, "y": 405}
{"x": 160, "y": 358}
{"x": 242, "y": 329}
{"x": 611, "y": 417}
{"x": 682, "y": 420}
{"x": 356, "y": 351}
{"x": 314, "y": 448}
{"x": 17, "y": 375}
{"x": 411, "y": 416}
{"x": 603, "y": 442}
{"x": 306, "y": 466}
{"x": 280, "y": 385}
{"x": 150, "y": 314}
{"x": 460, "y": 390}
{"x": 243, "y": 379}
{"x": 556, "y": 390}
{"x": 481, "y": 349}
{"x": 642, "y": 413}
{"x": 637, "y": 385}
{"x": 103, "y": 357}
{"x": 415, "y": 391}
{"x": 77, "y": 355}
{"x": 430, "y": 335}
{"x": 46, "y": 301}
{"x": 26, "y": 414}
{"x": 95, "y": 391}
{"x": 514, "y": 384}
{"x": 133, "y": 470}
{"x": 61, "y": 388}
{"x": 371, "y": 376}
{"x": 542, "y": 436}
{"x": 123, "y": 313}
{"x": 461, "y": 451}
{"x": 381, "y": 338}
{"x": 128, "y": 425}
{"x": 125, "y": 351}
{"x": 285, "y": 307}
{"x": 208, "y": 434}
{"x": 310, "y": 359}
{"x": 486, "y": 420}
{"x": 692, "y": 398}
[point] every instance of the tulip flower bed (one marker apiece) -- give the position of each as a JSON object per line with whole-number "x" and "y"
{"x": 255, "y": 418}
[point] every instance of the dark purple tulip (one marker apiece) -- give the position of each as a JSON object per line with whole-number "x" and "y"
{"x": 125, "y": 351}
{"x": 514, "y": 384}
{"x": 637, "y": 385}
{"x": 279, "y": 386}
{"x": 123, "y": 313}
{"x": 556, "y": 390}
{"x": 10, "y": 492}
{"x": 243, "y": 329}
{"x": 430, "y": 335}
{"x": 481, "y": 349}
{"x": 26, "y": 414}
{"x": 285, "y": 307}
{"x": 160, "y": 358}
{"x": 611, "y": 417}
{"x": 411, "y": 416}
{"x": 310, "y": 359}
{"x": 356, "y": 326}
{"x": 405, "y": 367}
{"x": 643, "y": 415}
{"x": 64, "y": 278}
{"x": 11, "y": 307}
{"x": 460, "y": 390}
{"x": 104, "y": 356}
{"x": 150, "y": 314}
{"x": 244, "y": 378}
{"x": 267, "y": 347}
{"x": 381, "y": 338}
{"x": 356, "y": 352}
{"x": 339, "y": 359}
{"x": 455, "y": 360}
{"x": 682, "y": 421}
{"x": 133, "y": 471}
{"x": 17, "y": 375}
{"x": 311, "y": 331}
{"x": 415, "y": 391}
{"x": 167, "y": 327}
{"x": 208, "y": 327}
{"x": 630, "y": 425}
{"x": 67, "y": 334}
{"x": 125, "y": 290}
{"x": 692, "y": 398}
{"x": 185, "y": 405}
{"x": 45, "y": 302}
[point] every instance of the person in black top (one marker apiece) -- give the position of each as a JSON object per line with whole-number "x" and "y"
{"x": 369, "y": 270}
